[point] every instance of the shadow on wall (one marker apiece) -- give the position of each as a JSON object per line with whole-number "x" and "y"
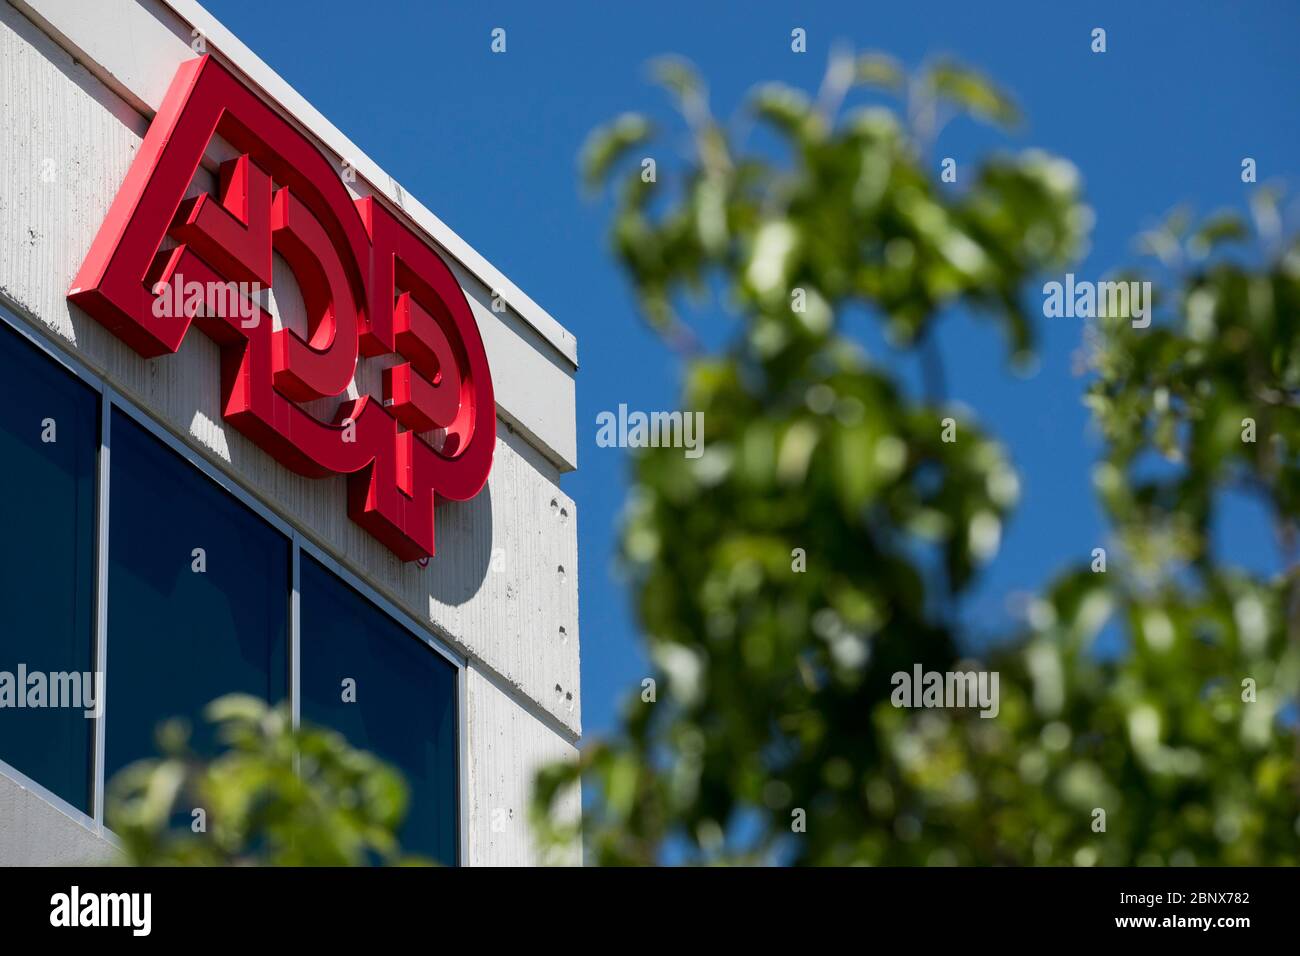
{"x": 463, "y": 535}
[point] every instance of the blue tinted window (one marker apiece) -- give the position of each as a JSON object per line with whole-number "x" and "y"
{"x": 178, "y": 637}
{"x": 49, "y": 442}
{"x": 405, "y": 707}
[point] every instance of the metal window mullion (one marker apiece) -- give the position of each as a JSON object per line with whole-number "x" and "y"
{"x": 101, "y": 600}
{"x": 462, "y": 765}
{"x": 295, "y": 628}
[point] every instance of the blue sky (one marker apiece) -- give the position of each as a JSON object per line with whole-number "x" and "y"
{"x": 489, "y": 142}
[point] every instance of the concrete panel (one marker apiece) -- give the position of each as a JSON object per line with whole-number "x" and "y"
{"x": 35, "y": 832}
{"x": 503, "y": 588}
{"x": 507, "y": 745}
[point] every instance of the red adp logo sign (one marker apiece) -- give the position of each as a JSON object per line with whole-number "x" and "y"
{"x": 371, "y": 287}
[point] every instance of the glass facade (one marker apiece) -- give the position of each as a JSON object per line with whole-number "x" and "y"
{"x": 199, "y": 587}
{"x": 49, "y": 446}
{"x": 395, "y": 698}
{"x": 198, "y": 597}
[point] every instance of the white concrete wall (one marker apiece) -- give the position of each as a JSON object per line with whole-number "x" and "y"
{"x": 507, "y": 745}
{"x": 78, "y": 82}
{"x": 36, "y": 832}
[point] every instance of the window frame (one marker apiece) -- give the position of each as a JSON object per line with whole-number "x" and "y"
{"x": 299, "y": 539}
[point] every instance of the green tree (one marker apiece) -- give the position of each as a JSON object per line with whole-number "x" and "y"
{"x": 824, "y": 539}
{"x": 276, "y": 796}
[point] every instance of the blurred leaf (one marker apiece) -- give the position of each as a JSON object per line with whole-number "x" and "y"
{"x": 879, "y": 69}
{"x": 607, "y": 145}
{"x": 973, "y": 92}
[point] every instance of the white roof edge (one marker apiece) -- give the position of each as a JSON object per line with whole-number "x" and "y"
{"x": 278, "y": 89}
